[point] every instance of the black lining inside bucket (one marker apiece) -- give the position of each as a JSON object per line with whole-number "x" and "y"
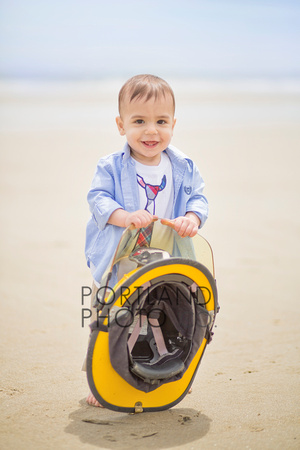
{"x": 189, "y": 322}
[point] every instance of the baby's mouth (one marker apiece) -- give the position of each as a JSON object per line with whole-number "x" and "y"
{"x": 150, "y": 143}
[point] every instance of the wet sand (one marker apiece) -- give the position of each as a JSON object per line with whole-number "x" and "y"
{"x": 246, "y": 393}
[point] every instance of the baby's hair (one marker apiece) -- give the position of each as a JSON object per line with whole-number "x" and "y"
{"x": 145, "y": 86}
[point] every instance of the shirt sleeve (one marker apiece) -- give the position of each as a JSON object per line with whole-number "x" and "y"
{"x": 197, "y": 202}
{"x": 101, "y": 196}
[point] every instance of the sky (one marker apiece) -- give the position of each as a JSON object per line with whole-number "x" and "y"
{"x": 100, "y": 38}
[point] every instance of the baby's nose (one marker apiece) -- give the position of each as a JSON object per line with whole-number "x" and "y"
{"x": 151, "y": 129}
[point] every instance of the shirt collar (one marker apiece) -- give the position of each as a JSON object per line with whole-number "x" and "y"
{"x": 127, "y": 158}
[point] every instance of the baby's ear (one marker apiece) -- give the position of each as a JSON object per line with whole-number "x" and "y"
{"x": 120, "y": 125}
{"x": 174, "y": 122}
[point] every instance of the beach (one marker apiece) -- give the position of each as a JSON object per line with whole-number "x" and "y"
{"x": 244, "y": 137}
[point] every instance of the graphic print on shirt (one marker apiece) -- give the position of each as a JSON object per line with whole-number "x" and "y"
{"x": 151, "y": 191}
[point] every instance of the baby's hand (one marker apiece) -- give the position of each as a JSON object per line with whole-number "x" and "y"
{"x": 140, "y": 218}
{"x": 185, "y": 225}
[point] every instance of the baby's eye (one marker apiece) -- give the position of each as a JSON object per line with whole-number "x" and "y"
{"x": 161, "y": 122}
{"x": 139, "y": 121}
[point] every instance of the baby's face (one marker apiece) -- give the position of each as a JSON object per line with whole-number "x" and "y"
{"x": 148, "y": 126}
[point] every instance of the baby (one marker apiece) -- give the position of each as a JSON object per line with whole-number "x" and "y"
{"x": 148, "y": 179}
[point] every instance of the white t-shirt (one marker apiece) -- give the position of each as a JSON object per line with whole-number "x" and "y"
{"x": 156, "y": 190}
{"x": 156, "y": 193}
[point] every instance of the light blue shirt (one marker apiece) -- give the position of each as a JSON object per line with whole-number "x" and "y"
{"x": 114, "y": 186}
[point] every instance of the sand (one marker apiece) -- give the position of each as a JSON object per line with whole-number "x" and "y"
{"x": 245, "y": 140}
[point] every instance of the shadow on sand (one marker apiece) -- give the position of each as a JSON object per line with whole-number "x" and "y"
{"x": 107, "y": 429}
